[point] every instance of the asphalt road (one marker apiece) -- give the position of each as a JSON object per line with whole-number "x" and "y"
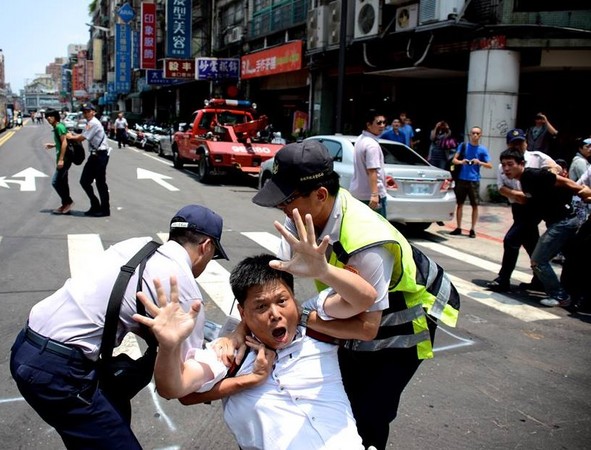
{"x": 511, "y": 375}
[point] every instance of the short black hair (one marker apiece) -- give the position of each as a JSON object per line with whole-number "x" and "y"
{"x": 255, "y": 271}
{"x": 370, "y": 116}
{"x": 53, "y": 113}
{"x": 184, "y": 236}
{"x": 511, "y": 153}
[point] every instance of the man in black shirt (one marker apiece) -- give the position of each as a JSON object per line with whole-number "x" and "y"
{"x": 550, "y": 197}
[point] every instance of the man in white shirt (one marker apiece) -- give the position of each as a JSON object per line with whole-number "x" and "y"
{"x": 121, "y": 127}
{"x": 368, "y": 183}
{"x": 55, "y": 358}
{"x": 288, "y": 393}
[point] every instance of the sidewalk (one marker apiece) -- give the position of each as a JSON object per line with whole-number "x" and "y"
{"x": 493, "y": 222}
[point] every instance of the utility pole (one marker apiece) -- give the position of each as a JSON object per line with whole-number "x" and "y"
{"x": 341, "y": 66}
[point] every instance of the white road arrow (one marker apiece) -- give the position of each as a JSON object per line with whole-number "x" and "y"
{"x": 143, "y": 174}
{"x": 28, "y": 184}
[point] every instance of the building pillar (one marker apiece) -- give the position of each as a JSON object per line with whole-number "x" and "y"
{"x": 491, "y": 103}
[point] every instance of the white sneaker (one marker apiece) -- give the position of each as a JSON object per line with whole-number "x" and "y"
{"x": 549, "y": 302}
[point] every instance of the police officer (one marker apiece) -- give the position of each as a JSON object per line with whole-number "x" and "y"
{"x": 389, "y": 341}
{"x": 95, "y": 168}
{"x": 55, "y": 357}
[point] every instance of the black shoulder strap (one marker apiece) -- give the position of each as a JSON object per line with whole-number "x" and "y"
{"x": 114, "y": 306}
{"x": 462, "y": 148}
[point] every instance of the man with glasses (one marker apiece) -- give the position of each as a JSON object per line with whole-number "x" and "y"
{"x": 368, "y": 183}
{"x": 388, "y": 341}
{"x": 470, "y": 156}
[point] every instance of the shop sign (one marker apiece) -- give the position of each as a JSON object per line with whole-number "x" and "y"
{"x": 156, "y": 77}
{"x": 179, "y": 68}
{"x": 217, "y": 68}
{"x": 122, "y": 58}
{"x": 285, "y": 58}
{"x": 148, "y": 36}
{"x": 126, "y": 13}
{"x": 178, "y": 28}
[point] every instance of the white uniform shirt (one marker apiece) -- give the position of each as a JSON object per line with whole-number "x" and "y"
{"x": 120, "y": 124}
{"x": 75, "y": 314}
{"x": 301, "y": 406}
{"x": 374, "y": 264}
{"x": 95, "y": 135}
{"x": 367, "y": 155}
{"x": 535, "y": 160}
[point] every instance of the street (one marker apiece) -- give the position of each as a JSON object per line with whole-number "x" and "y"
{"x": 513, "y": 374}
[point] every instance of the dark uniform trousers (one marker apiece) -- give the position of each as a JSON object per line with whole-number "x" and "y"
{"x": 95, "y": 169}
{"x": 61, "y": 386}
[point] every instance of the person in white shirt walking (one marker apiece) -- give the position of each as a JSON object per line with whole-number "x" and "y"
{"x": 121, "y": 127}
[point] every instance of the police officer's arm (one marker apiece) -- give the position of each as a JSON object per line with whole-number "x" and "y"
{"x": 363, "y": 326}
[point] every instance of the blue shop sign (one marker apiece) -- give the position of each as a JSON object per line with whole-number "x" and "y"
{"x": 217, "y": 68}
{"x": 122, "y": 58}
{"x": 126, "y": 13}
{"x": 178, "y": 28}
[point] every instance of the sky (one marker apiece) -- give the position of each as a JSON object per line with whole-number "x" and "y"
{"x": 34, "y": 33}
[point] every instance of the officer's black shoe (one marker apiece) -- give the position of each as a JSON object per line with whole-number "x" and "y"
{"x": 91, "y": 212}
{"x": 498, "y": 285}
{"x": 535, "y": 285}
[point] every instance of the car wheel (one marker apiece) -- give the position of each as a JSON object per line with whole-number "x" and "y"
{"x": 203, "y": 171}
{"x": 176, "y": 159}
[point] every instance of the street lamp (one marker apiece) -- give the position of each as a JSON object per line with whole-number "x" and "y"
{"x": 105, "y": 29}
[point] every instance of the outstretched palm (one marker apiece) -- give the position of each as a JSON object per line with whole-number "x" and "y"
{"x": 170, "y": 324}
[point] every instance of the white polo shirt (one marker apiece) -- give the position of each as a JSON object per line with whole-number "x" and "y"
{"x": 75, "y": 314}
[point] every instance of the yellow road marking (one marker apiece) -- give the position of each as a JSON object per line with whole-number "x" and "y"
{"x": 5, "y": 137}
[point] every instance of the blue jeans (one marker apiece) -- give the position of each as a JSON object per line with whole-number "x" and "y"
{"x": 60, "y": 183}
{"x": 549, "y": 245}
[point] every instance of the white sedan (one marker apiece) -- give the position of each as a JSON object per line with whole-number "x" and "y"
{"x": 418, "y": 193}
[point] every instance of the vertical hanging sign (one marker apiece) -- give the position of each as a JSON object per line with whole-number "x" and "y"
{"x": 178, "y": 29}
{"x": 148, "y": 36}
{"x": 122, "y": 58}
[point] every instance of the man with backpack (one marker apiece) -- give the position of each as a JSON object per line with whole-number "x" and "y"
{"x": 60, "y": 177}
{"x": 468, "y": 159}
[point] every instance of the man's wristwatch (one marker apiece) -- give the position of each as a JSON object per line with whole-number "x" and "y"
{"x": 304, "y": 317}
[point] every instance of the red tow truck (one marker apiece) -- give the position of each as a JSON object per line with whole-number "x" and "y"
{"x": 224, "y": 136}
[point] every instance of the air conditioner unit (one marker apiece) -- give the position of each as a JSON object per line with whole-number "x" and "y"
{"x": 368, "y": 17}
{"x": 234, "y": 35}
{"x": 395, "y": 2}
{"x": 407, "y": 17}
{"x": 438, "y": 10}
{"x": 334, "y": 22}
{"x": 317, "y": 27}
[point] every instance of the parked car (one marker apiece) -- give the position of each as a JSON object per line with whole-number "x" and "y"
{"x": 71, "y": 120}
{"x": 418, "y": 193}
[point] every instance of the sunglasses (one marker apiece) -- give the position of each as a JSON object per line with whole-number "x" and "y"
{"x": 380, "y": 122}
{"x": 293, "y": 197}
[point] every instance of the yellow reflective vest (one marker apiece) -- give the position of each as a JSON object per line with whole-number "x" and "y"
{"x": 418, "y": 286}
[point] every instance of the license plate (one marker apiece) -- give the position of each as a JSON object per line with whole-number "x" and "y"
{"x": 420, "y": 189}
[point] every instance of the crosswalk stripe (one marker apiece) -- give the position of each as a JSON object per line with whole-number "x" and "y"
{"x": 472, "y": 260}
{"x": 265, "y": 240}
{"x": 215, "y": 280}
{"x": 500, "y": 302}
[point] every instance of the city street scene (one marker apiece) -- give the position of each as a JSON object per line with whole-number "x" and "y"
{"x": 354, "y": 224}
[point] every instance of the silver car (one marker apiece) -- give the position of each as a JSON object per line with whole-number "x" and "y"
{"x": 418, "y": 193}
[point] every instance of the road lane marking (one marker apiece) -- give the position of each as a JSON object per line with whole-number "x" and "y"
{"x": 143, "y": 174}
{"x": 264, "y": 239}
{"x": 6, "y": 137}
{"x": 472, "y": 260}
{"x": 500, "y": 302}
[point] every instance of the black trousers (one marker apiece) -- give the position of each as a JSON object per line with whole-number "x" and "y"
{"x": 374, "y": 382}
{"x": 95, "y": 170}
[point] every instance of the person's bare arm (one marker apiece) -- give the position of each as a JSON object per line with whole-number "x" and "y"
{"x": 232, "y": 385}
{"x": 584, "y": 192}
{"x": 374, "y": 199}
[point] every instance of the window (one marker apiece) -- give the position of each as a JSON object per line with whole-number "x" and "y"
{"x": 335, "y": 149}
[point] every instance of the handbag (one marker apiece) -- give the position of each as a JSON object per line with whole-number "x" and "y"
{"x": 448, "y": 143}
{"x": 121, "y": 377}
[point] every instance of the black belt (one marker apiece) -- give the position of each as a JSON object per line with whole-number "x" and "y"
{"x": 54, "y": 346}
{"x": 92, "y": 152}
{"x": 322, "y": 337}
